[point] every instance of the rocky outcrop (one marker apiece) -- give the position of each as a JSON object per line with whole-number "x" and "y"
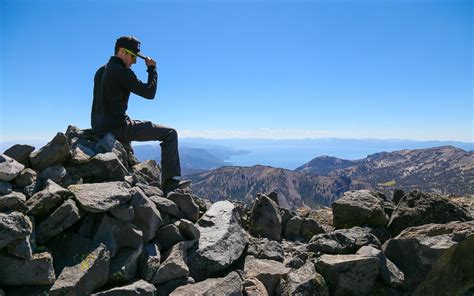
{"x": 91, "y": 220}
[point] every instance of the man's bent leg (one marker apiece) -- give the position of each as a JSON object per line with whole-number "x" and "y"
{"x": 147, "y": 131}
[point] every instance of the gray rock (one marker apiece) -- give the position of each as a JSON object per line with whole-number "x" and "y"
{"x": 188, "y": 229}
{"x": 78, "y": 156}
{"x": 21, "y": 248}
{"x": 293, "y": 227}
{"x": 221, "y": 243}
{"x": 124, "y": 266}
{"x": 89, "y": 224}
{"x": 185, "y": 204}
{"x": 167, "y": 288}
{"x": 83, "y": 134}
{"x": 9, "y": 168}
{"x": 165, "y": 205}
{"x": 84, "y": 277}
{"x": 348, "y": 274}
{"x": 265, "y": 249}
{"x": 109, "y": 144}
{"x": 150, "y": 261}
{"x": 118, "y": 234}
{"x": 359, "y": 208}
{"x": 69, "y": 249}
{"x": 168, "y": 236}
{"x": 5, "y": 188}
{"x": 62, "y": 218}
{"x": 230, "y": 285}
{"x": 305, "y": 281}
{"x": 418, "y": 208}
{"x": 26, "y": 290}
{"x": 397, "y": 195}
{"x": 55, "y": 152}
{"x": 34, "y": 187}
{"x": 25, "y": 178}
{"x": 269, "y": 272}
{"x": 102, "y": 167}
{"x": 56, "y": 173}
{"x": 13, "y": 226}
{"x": 123, "y": 212}
{"x": 310, "y": 228}
{"x": 254, "y": 287}
{"x": 436, "y": 259}
{"x": 147, "y": 216}
{"x": 265, "y": 219}
{"x": 149, "y": 169}
{"x": 174, "y": 266}
{"x": 36, "y": 271}
{"x": 342, "y": 241}
{"x": 46, "y": 200}
{"x": 388, "y": 271}
{"x": 139, "y": 287}
{"x": 14, "y": 201}
{"x": 150, "y": 190}
{"x": 101, "y": 197}
{"x": 20, "y": 153}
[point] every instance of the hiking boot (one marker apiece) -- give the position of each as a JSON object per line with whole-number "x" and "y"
{"x": 172, "y": 184}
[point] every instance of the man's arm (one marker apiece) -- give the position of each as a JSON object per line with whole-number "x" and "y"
{"x": 131, "y": 83}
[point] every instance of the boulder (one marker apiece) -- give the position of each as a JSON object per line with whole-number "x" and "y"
{"x": 21, "y": 248}
{"x": 230, "y": 285}
{"x": 109, "y": 144}
{"x": 55, "y": 173}
{"x": 150, "y": 261}
{"x": 435, "y": 258}
{"x": 348, "y": 274}
{"x": 34, "y": 187}
{"x": 14, "y": 226}
{"x": 254, "y": 287}
{"x": 304, "y": 281}
{"x": 150, "y": 190}
{"x": 46, "y": 200}
{"x": 174, "y": 266}
{"x": 165, "y": 205}
{"x": 343, "y": 241}
{"x": 168, "y": 236}
{"x": 147, "y": 216}
{"x": 388, "y": 272}
{"x": 100, "y": 168}
{"x": 188, "y": 229}
{"x": 25, "y": 178}
{"x": 269, "y": 272}
{"x": 9, "y": 168}
{"x": 167, "y": 288}
{"x": 293, "y": 227}
{"x": 359, "y": 208}
{"x": 55, "y": 152}
{"x": 186, "y": 205}
{"x": 5, "y": 188}
{"x": 221, "y": 243}
{"x": 101, "y": 197}
{"x": 20, "y": 153}
{"x": 265, "y": 249}
{"x": 418, "y": 208}
{"x": 84, "y": 277}
{"x": 117, "y": 234}
{"x": 265, "y": 219}
{"x": 78, "y": 156}
{"x": 36, "y": 271}
{"x": 123, "y": 212}
{"x": 14, "y": 201}
{"x": 124, "y": 265}
{"x": 148, "y": 169}
{"x": 62, "y": 218}
{"x": 310, "y": 228}
{"x": 139, "y": 287}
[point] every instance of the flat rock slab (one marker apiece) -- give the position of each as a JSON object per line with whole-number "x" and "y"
{"x": 85, "y": 277}
{"x": 101, "y": 197}
{"x": 174, "y": 266}
{"x": 140, "y": 287}
{"x": 230, "y": 285}
{"x": 36, "y": 271}
{"x": 14, "y": 226}
{"x": 342, "y": 241}
{"x": 9, "y": 168}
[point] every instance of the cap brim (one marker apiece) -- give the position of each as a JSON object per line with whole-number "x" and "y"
{"x": 141, "y": 56}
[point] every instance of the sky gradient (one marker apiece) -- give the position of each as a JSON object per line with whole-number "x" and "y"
{"x": 248, "y": 69}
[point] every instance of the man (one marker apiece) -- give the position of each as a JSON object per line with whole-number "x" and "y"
{"x": 113, "y": 84}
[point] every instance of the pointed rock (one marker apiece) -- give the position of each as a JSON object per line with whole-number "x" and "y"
{"x": 101, "y": 197}
{"x": 265, "y": 219}
{"x": 9, "y": 168}
{"x": 186, "y": 205}
{"x": 55, "y": 152}
{"x": 174, "y": 266}
{"x": 147, "y": 216}
{"x": 150, "y": 261}
{"x": 221, "y": 243}
{"x": 21, "y": 248}
{"x": 20, "y": 153}
{"x": 149, "y": 169}
{"x": 46, "y": 200}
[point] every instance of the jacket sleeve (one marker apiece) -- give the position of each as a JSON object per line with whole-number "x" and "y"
{"x": 131, "y": 83}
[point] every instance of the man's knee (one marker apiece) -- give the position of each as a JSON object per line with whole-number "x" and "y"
{"x": 172, "y": 134}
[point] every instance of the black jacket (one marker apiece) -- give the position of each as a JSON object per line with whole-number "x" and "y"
{"x": 113, "y": 84}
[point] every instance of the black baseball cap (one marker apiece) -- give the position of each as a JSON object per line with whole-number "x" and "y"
{"x": 131, "y": 43}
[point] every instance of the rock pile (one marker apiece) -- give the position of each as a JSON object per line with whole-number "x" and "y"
{"x": 82, "y": 216}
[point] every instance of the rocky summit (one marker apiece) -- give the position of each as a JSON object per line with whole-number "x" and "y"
{"x": 81, "y": 216}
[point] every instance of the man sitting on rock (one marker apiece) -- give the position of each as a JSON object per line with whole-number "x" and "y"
{"x": 113, "y": 84}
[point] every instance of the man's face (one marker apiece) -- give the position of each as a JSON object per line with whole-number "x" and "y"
{"x": 129, "y": 58}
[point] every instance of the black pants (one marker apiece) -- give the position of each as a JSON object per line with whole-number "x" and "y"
{"x": 137, "y": 130}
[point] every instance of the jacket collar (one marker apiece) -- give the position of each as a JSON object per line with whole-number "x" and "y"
{"x": 116, "y": 60}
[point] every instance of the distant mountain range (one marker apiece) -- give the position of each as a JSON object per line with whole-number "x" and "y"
{"x": 446, "y": 170}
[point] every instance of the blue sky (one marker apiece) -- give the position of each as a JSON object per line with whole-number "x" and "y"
{"x": 248, "y": 69}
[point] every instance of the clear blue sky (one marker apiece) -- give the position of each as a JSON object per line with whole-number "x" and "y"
{"x": 353, "y": 69}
